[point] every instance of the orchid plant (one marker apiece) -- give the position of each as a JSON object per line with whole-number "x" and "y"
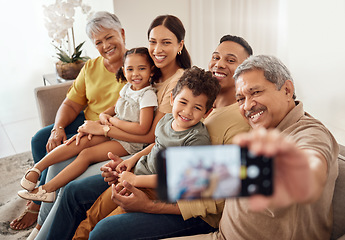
{"x": 59, "y": 19}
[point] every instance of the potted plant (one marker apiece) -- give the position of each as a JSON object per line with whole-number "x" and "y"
{"x": 59, "y": 22}
{"x": 68, "y": 67}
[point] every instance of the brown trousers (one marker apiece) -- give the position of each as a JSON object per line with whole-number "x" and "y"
{"x": 102, "y": 208}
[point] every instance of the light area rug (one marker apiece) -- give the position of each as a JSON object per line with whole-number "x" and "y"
{"x": 11, "y": 205}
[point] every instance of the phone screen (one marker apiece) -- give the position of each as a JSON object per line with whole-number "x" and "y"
{"x": 215, "y": 171}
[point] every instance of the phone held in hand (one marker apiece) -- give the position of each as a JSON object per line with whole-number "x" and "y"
{"x": 214, "y": 171}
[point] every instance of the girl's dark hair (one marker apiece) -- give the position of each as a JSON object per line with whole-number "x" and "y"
{"x": 144, "y": 52}
{"x": 176, "y": 27}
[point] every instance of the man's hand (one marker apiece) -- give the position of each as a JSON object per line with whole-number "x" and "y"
{"x": 294, "y": 178}
{"x": 130, "y": 198}
{"x": 109, "y": 169}
{"x": 57, "y": 137}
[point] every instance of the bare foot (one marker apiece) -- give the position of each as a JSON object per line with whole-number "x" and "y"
{"x": 27, "y": 218}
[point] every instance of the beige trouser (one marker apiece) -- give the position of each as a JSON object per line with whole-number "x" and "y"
{"x": 102, "y": 208}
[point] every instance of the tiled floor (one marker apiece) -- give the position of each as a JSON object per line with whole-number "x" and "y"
{"x": 18, "y": 120}
{"x": 15, "y": 137}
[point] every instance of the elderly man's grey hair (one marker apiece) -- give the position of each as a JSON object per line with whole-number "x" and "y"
{"x": 274, "y": 70}
{"x": 101, "y": 20}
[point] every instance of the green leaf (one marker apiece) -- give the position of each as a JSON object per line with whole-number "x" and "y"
{"x": 62, "y": 55}
{"x": 77, "y": 49}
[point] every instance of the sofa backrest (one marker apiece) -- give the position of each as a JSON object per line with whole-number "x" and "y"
{"x": 339, "y": 198}
{"x": 48, "y": 101}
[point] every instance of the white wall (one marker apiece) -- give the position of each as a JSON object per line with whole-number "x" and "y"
{"x": 308, "y": 36}
{"x": 315, "y": 51}
{"x": 136, "y": 17}
{"x": 27, "y": 53}
{"x": 311, "y": 37}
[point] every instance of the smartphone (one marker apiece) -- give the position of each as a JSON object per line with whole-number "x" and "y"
{"x": 213, "y": 171}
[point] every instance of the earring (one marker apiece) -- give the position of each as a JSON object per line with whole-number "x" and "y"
{"x": 179, "y": 53}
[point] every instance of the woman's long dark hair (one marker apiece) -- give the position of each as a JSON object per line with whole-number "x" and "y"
{"x": 176, "y": 27}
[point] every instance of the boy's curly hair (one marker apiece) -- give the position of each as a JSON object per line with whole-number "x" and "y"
{"x": 200, "y": 82}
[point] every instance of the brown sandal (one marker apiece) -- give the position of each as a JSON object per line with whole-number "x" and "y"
{"x": 26, "y": 210}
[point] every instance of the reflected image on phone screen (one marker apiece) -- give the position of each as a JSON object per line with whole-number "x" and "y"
{"x": 218, "y": 171}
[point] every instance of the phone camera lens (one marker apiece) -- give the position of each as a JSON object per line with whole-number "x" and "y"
{"x": 266, "y": 171}
{"x": 252, "y": 188}
{"x": 253, "y": 171}
{"x": 266, "y": 183}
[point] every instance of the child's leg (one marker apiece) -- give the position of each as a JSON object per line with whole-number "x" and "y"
{"x": 85, "y": 158}
{"x": 99, "y": 210}
{"x": 64, "y": 152}
{"x": 102, "y": 208}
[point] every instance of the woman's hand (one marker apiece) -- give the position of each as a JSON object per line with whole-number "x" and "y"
{"x": 91, "y": 127}
{"x": 105, "y": 119}
{"x": 114, "y": 121}
{"x": 72, "y": 139}
{"x": 57, "y": 137}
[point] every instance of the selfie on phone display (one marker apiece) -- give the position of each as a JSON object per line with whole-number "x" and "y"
{"x": 217, "y": 172}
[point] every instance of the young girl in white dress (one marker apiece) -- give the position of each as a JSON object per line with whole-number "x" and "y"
{"x": 133, "y": 113}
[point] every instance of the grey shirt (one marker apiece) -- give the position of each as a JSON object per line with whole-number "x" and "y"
{"x": 165, "y": 137}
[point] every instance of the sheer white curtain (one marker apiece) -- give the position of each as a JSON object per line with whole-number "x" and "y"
{"x": 256, "y": 21}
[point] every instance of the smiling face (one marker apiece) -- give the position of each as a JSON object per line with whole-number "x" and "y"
{"x": 225, "y": 59}
{"x": 110, "y": 44}
{"x": 137, "y": 71}
{"x": 260, "y": 102}
{"x": 187, "y": 109}
{"x": 163, "y": 48}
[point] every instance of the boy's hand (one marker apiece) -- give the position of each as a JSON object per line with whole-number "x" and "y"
{"x": 109, "y": 169}
{"x": 128, "y": 176}
{"x": 125, "y": 165}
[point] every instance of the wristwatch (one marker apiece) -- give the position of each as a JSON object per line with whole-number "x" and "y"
{"x": 106, "y": 129}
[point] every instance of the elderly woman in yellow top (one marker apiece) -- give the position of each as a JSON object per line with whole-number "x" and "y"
{"x": 94, "y": 90}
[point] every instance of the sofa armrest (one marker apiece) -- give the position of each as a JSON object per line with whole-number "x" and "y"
{"x": 48, "y": 101}
{"x": 338, "y": 199}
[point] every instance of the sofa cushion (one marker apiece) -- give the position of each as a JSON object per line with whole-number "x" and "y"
{"x": 339, "y": 198}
